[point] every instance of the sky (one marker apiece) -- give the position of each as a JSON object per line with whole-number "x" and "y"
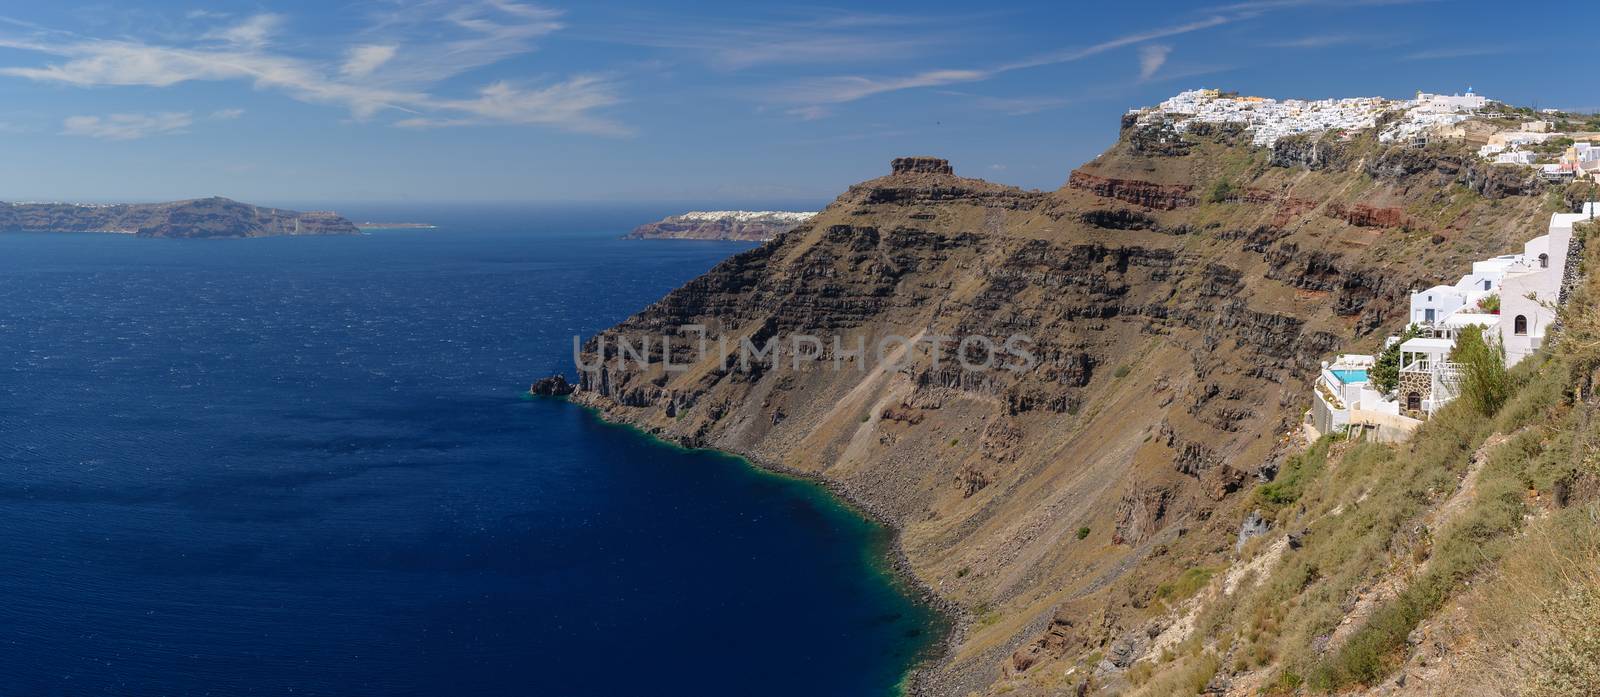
{"x": 712, "y": 101}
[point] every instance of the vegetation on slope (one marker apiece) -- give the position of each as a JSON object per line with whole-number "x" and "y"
{"x": 1489, "y": 512}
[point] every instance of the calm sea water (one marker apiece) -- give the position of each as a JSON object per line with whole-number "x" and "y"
{"x": 306, "y": 466}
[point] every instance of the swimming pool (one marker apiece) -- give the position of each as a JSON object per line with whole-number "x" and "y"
{"x": 1350, "y": 376}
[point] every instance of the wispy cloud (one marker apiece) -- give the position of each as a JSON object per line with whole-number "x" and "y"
{"x": 126, "y": 126}
{"x": 1269, "y": 5}
{"x": 567, "y": 105}
{"x": 1318, "y": 41}
{"x": 1458, "y": 52}
{"x": 226, "y": 114}
{"x": 822, "y": 37}
{"x": 424, "y": 44}
{"x": 252, "y": 33}
{"x": 361, "y": 61}
{"x": 849, "y": 88}
{"x": 1019, "y": 106}
{"x": 1151, "y": 58}
{"x": 810, "y": 113}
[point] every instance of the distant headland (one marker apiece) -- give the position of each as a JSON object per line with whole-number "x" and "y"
{"x": 749, "y": 226}
{"x": 396, "y": 226}
{"x": 214, "y": 217}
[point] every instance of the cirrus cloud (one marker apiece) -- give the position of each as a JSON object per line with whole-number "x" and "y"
{"x": 425, "y": 45}
{"x": 126, "y": 126}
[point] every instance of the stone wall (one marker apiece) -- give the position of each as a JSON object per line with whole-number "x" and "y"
{"x": 1420, "y": 383}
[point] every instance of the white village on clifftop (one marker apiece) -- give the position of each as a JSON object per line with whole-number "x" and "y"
{"x": 1513, "y": 298}
{"x": 1425, "y": 118}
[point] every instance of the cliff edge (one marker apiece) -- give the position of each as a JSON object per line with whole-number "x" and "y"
{"x": 1175, "y": 295}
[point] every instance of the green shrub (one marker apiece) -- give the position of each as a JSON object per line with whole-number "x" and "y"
{"x": 1385, "y": 373}
{"x": 1299, "y": 470}
{"x": 1220, "y": 190}
{"x": 1083, "y": 532}
{"x": 1186, "y": 584}
{"x": 1485, "y": 384}
{"x": 1490, "y": 304}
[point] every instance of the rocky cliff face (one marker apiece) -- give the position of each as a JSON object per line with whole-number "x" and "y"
{"x": 746, "y": 226}
{"x": 206, "y": 217}
{"x": 1175, "y": 296}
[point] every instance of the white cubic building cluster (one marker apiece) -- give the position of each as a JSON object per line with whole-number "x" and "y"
{"x": 1268, "y": 120}
{"x": 1513, "y": 297}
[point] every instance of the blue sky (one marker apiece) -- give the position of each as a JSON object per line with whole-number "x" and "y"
{"x": 703, "y": 101}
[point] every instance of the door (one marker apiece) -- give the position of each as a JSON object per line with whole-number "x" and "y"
{"x": 1414, "y": 402}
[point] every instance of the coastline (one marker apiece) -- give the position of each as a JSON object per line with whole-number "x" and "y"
{"x": 952, "y": 621}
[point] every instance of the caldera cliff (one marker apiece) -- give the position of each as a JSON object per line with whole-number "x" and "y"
{"x": 1177, "y": 293}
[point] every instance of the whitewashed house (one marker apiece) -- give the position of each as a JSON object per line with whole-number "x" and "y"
{"x": 1516, "y": 157}
{"x": 1434, "y": 304}
{"x": 1529, "y": 288}
{"x": 1532, "y": 288}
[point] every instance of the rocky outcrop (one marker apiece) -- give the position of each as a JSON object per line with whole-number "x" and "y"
{"x": 1142, "y": 193}
{"x": 920, "y": 165}
{"x": 553, "y": 386}
{"x": 1158, "y": 139}
{"x": 1311, "y": 151}
{"x": 207, "y": 217}
{"x": 1363, "y": 215}
{"x": 1443, "y": 166}
{"x": 1140, "y": 515}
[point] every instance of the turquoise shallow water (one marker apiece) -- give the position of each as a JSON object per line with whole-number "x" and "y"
{"x": 306, "y": 466}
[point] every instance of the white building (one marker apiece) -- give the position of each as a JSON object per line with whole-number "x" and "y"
{"x": 1268, "y": 120}
{"x": 1346, "y": 401}
{"x": 1528, "y": 287}
{"x": 1441, "y": 103}
{"x": 1428, "y": 380}
{"x": 1532, "y": 287}
{"x": 1436, "y": 303}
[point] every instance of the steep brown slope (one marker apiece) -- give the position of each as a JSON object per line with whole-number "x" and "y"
{"x": 1177, "y": 292}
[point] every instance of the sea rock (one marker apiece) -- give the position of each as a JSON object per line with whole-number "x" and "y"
{"x": 553, "y": 386}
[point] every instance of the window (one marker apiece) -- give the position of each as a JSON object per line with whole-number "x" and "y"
{"x": 1486, "y": 284}
{"x": 1427, "y": 315}
{"x": 1544, "y": 261}
{"x": 1520, "y": 327}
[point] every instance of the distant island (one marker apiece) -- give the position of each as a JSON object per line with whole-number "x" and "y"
{"x": 214, "y": 217}
{"x": 749, "y": 226}
{"x": 396, "y": 226}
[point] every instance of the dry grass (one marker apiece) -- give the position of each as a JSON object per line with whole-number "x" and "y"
{"x": 1538, "y": 618}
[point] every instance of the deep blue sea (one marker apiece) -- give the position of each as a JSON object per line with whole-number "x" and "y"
{"x": 306, "y": 466}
